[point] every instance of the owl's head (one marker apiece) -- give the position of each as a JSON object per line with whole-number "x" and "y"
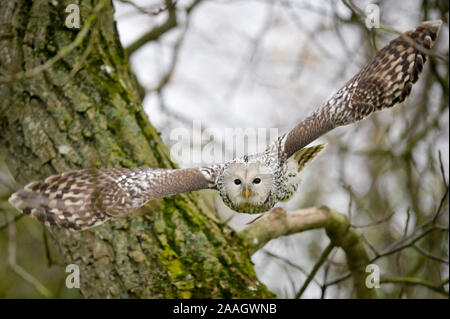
{"x": 245, "y": 186}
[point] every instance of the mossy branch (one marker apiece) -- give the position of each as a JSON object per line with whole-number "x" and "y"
{"x": 279, "y": 223}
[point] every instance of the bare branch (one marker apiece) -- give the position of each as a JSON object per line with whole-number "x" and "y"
{"x": 155, "y": 33}
{"x": 153, "y": 12}
{"x": 378, "y": 222}
{"x": 12, "y": 263}
{"x": 415, "y": 281}
{"x": 428, "y": 255}
{"x": 323, "y": 257}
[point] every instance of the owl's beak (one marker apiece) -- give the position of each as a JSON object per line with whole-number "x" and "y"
{"x": 246, "y": 193}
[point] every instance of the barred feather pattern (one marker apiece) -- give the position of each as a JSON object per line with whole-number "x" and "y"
{"x": 306, "y": 155}
{"x": 382, "y": 83}
{"x": 82, "y": 199}
{"x": 294, "y": 166}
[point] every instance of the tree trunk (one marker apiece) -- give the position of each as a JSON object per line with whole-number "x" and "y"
{"x": 69, "y": 101}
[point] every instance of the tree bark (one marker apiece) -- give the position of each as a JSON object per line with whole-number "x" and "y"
{"x": 82, "y": 109}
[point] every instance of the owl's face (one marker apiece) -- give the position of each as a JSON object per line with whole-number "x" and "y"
{"x": 246, "y": 186}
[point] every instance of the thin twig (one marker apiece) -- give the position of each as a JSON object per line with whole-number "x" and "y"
{"x": 47, "y": 247}
{"x": 370, "y": 245}
{"x": 427, "y": 254}
{"x": 153, "y": 12}
{"x": 288, "y": 262}
{"x": 415, "y": 281}
{"x": 325, "y": 274}
{"x": 16, "y": 218}
{"x": 320, "y": 261}
{"x": 17, "y": 268}
{"x": 441, "y": 166}
{"x": 383, "y": 220}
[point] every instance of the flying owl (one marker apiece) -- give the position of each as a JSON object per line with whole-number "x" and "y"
{"x": 251, "y": 184}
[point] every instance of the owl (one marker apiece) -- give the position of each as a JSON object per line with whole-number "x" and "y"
{"x": 251, "y": 184}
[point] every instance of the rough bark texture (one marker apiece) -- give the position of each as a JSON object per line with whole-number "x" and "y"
{"x": 84, "y": 111}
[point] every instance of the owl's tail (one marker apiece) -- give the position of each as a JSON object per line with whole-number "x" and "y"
{"x": 66, "y": 200}
{"x": 307, "y": 154}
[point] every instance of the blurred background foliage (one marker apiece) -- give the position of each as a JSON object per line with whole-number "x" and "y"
{"x": 263, "y": 63}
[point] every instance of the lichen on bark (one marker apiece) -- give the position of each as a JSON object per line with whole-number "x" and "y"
{"x": 85, "y": 111}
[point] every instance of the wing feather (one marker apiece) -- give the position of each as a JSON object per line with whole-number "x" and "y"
{"x": 82, "y": 199}
{"x": 306, "y": 155}
{"x": 382, "y": 83}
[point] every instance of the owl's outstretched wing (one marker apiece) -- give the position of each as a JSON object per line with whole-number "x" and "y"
{"x": 82, "y": 199}
{"x": 383, "y": 82}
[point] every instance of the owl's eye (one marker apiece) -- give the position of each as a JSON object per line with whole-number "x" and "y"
{"x": 237, "y": 181}
{"x": 257, "y": 180}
